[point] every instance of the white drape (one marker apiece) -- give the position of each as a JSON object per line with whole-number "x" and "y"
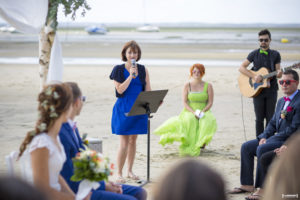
{"x": 29, "y": 16}
{"x": 55, "y": 72}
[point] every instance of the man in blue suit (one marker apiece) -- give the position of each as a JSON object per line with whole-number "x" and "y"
{"x": 285, "y": 122}
{"x": 71, "y": 140}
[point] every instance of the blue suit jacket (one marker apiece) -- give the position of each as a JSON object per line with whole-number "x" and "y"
{"x": 71, "y": 147}
{"x": 283, "y": 128}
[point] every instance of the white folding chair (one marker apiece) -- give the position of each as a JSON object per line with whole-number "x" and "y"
{"x": 10, "y": 162}
{"x": 95, "y": 144}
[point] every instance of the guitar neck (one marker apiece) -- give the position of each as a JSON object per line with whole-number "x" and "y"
{"x": 275, "y": 72}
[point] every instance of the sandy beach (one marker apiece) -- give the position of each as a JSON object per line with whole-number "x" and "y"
{"x": 19, "y": 86}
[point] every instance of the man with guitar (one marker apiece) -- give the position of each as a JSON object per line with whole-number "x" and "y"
{"x": 264, "y": 100}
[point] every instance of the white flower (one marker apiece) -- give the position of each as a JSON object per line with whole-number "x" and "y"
{"x": 52, "y": 108}
{"x": 44, "y": 104}
{"x": 99, "y": 169}
{"x": 55, "y": 95}
{"x": 85, "y": 154}
{"x": 92, "y": 165}
{"x": 48, "y": 91}
{"x": 32, "y": 133}
{"x": 42, "y": 126}
{"x": 53, "y": 114}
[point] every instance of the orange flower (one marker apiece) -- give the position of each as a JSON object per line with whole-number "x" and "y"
{"x": 94, "y": 153}
{"x": 78, "y": 155}
{"x": 112, "y": 166}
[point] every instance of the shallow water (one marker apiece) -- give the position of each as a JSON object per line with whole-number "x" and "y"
{"x": 113, "y": 61}
{"x": 176, "y": 37}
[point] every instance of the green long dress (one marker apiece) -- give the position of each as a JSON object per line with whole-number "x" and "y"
{"x": 193, "y": 133}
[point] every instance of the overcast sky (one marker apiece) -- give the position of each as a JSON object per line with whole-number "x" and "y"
{"x": 202, "y": 11}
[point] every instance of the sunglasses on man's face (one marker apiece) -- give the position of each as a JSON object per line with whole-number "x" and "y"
{"x": 83, "y": 98}
{"x": 287, "y": 82}
{"x": 263, "y": 40}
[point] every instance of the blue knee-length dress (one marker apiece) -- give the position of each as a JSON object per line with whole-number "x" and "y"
{"x": 120, "y": 123}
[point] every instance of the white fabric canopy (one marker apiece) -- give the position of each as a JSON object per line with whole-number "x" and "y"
{"x": 29, "y": 16}
{"x": 55, "y": 72}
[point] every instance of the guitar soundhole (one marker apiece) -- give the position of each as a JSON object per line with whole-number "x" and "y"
{"x": 250, "y": 82}
{"x": 256, "y": 85}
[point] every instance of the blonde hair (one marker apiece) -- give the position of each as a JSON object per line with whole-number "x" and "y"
{"x": 283, "y": 178}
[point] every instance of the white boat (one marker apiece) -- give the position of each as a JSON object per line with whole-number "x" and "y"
{"x": 148, "y": 28}
{"x": 9, "y": 29}
{"x": 96, "y": 30}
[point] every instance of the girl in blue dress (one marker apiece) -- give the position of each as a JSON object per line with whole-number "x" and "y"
{"x": 129, "y": 80}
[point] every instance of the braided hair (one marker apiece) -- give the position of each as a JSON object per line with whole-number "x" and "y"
{"x": 53, "y": 101}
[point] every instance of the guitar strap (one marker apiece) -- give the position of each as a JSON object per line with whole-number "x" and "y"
{"x": 272, "y": 64}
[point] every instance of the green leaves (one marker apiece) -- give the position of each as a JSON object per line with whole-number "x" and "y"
{"x": 69, "y": 7}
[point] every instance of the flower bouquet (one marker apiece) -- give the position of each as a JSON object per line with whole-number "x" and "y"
{"x": 90, "y": 167}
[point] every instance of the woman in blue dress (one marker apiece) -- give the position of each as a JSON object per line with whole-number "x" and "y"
{"x": 129, "y": 80}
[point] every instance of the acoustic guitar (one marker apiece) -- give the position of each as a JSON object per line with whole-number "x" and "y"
{"x": 249, "y": 88}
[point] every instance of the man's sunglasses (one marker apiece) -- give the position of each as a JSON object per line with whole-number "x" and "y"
{"x": 287, "y": 82}
{"x": 83, "y": 98}
{"x": 263, "y": 40}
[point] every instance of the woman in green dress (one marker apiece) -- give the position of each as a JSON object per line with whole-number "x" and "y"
{"x": 196, "y": 125}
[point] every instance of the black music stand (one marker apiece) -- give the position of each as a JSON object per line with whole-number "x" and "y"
{"x": 146, "y": 103}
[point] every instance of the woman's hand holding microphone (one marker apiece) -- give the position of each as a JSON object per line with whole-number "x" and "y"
{"x": 133, "y": 68}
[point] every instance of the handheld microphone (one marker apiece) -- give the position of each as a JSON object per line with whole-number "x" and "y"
{"x": 133, "y": 64}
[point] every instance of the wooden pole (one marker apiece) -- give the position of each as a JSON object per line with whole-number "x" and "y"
{"x": 45, "y": 46}
{"x": 46, "y": 40}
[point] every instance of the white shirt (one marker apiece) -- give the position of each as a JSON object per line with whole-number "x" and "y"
{"x": 57, "y": 157}
{"x": 288, "y": 102}
{"x": 72, "y": 124}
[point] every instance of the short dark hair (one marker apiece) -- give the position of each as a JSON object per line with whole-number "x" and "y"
{"x": 264, "y": 32}
{"x": 13, "y": 188}
{"x": 75, "y": 90}
{"x": 134, "y": 46}
{"x": 193, "y": 180}
{"x": 292, "y": 72}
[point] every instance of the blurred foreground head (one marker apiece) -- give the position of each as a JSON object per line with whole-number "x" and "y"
{"x": 283, "y": 180}
{"x": 13, "y": 188}
{"x": 190, "y": 179}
